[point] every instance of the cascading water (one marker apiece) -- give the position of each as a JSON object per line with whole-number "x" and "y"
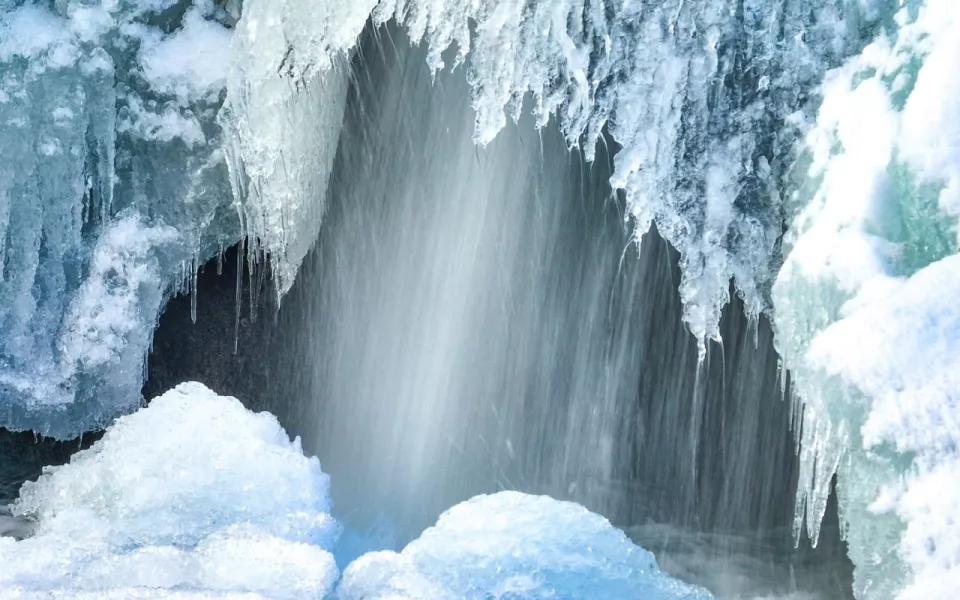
{"x": 479, "y": 319}
{"x": 457, "y": 294}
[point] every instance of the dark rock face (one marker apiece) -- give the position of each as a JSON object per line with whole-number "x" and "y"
{"x": 23, "y": 456}
{"x": 228, "y": 345}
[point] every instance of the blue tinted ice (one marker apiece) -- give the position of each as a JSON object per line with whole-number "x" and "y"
{"x": 519, "y": 547}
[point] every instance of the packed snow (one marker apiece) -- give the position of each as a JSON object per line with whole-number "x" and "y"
{"x": 513, "y": 545}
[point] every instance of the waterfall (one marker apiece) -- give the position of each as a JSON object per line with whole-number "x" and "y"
{"x": 477, "y": 319}
{"x": 690, "y": 264}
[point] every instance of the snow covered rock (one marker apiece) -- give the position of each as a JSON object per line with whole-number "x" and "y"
{"x": 865, "y": 306}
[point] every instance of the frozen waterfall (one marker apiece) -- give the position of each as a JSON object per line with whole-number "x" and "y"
{"x": 687, "y": 263}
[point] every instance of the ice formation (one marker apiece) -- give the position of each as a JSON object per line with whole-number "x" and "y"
{"x": 513, "y": 545}
{"x": 124, "y": 99}
{"x": 193, "y": 496}
{"x": 700, "y": 95}
{"x": 120, "y": 172}
{"x": 112, "y": 180}
{"x": 866, "y": 310}
{"x": 283, "y": 118}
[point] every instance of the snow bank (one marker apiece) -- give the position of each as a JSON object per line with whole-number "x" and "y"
{"x": 513, "y": 545}
{"x": 193, "y": 493}
{"x": 196, "y": 497}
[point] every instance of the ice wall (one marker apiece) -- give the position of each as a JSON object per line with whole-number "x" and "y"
{"x": 112, "y": 184}
{"x": 866, "y": 305}
{"x": 115, "y": 105}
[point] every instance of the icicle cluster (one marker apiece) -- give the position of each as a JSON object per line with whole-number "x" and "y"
{"x": 703, "y": 98}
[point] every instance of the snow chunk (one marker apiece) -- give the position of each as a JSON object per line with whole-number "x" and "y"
{"x": 190, "y": 63}
{"x": 162, "y": 124}
{"x": 29, "y": 31}
{"x": 193, "y": 493}
{"x": 513, "y": 545}
{"x": 107, "y": 309}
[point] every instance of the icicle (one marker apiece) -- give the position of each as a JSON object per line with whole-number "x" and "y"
{"x": 238, "y": 295}
{"x": 194, "y": 290}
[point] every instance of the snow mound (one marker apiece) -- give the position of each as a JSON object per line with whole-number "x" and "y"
{"x": 517, "y": 546}
{"x": 196, "y": 497}
{"x": 193, "y": 493}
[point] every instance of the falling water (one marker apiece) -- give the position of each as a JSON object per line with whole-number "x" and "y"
{"x": 476, "y": 319}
